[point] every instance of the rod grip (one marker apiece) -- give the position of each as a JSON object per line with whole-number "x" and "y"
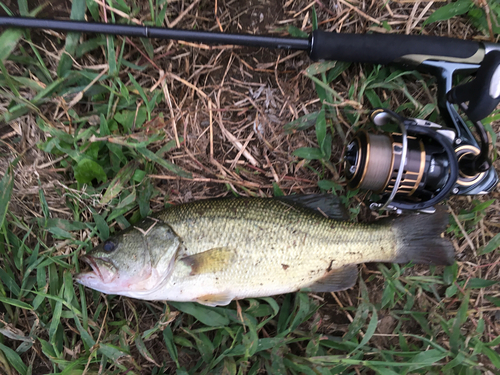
{"x": 389, "y": 48}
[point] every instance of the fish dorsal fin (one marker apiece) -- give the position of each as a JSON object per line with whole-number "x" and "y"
{"x": 335, "y": 280}
{"x": 210, "y": 261}
{"x": 218, "y": 299}
{"x": 325, "y": 204}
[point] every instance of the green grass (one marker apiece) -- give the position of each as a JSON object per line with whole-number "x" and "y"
{"x": 104, "y": 147}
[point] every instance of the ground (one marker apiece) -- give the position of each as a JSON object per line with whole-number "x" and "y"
{"x": 97, "y": 132}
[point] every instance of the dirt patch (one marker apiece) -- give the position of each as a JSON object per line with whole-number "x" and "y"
{"x": 259, "y": 16}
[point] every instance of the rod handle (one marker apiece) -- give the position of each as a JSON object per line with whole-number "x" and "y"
{"x": 390, "y": 48}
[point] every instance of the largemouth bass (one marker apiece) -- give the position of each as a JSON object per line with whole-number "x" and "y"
{"x": 215, "y": 251}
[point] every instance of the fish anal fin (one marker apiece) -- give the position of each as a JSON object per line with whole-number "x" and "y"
{"x": 209, "y": 261}
{"x": 335, "y": 280}
{"x": 218, "y": 299}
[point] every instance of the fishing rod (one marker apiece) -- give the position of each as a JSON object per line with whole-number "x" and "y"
{"x": 412, "y": 169}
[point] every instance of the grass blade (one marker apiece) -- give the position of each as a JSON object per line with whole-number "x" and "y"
{"x": 491, "y": 246}
{"x": 78, "y": 9}
{"x": 14, "y": 359}
{"x": 164, "y": 163}
{"x": 450, "y": 10}
{"x": 15, "y": 302}
{"x": 372, "y": 326}
{"x": 204, "y": 314}
{"x": 6, "y": 186}
{"x": 56, "y": 318}
{"x": 117, "y": 184}
{"x": 8, "y": 41}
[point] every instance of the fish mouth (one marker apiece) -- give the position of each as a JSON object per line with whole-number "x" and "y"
{"x": 101, "y": 268}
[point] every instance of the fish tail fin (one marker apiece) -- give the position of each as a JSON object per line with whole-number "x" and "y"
{"x": 419, "y": 239}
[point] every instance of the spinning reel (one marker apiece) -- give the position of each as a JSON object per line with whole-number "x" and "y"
{"x": 416, "y": 165}
{"x": 422, "y": 163}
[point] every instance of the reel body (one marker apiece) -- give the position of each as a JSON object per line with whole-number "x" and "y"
{"x": 415, "y": 168}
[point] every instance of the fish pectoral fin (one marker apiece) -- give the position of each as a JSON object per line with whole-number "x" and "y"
{"x": 219, "y": 299}
{"x": 335, "y": 280}
{"x": 209, "y": 261}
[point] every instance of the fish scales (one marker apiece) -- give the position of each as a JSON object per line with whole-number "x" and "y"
{"x": 278, "y": 247}
{"x": 262, "y": 226}
{"x": 214, "y": 251}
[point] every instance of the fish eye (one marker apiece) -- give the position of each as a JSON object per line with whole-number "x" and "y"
{"x": 109, "y": 246}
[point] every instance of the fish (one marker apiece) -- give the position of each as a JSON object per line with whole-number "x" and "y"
{"x": 218, "y": 250}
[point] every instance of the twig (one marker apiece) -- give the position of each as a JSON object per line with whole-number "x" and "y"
{"x": 143, "y": 54}
{"x": 334, "y": 295}
{"x": 211, "y": 127}
{"x": 190, "y": 85}
{"x": 411, "y": 17}
{"x": 181, "y": 16}
{"x": 422, "y": 14}
{"x": 119, "y": 12}
{"x": 79, "y": 96}
{"x": 166, "y": 93}
{"x": 361, "y": 13}
{"x": 462, "y": 229}
{"x": 231, "y": 138}
{"x": 247, "y": 184}
{"x": 235, "y": 161}
{"x": 311, "y": 4}
{"x": 325, "y": 8}
{"x": 217, "y": 18}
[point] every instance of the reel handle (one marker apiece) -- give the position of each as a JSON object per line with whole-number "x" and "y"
{"x": 482, "y": 93}
{"x": 390, "y": 48}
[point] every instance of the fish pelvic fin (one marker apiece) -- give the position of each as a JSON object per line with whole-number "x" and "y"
{"x": 219, "y": 299}
{"x": 335, "y": 280}
{"x": 210, "y": 261}
{"x": 419, "y": 239}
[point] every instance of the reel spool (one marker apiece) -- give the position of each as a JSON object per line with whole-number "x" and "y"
{"x": 413, "y": 169}
{"x": 373, "y": 160}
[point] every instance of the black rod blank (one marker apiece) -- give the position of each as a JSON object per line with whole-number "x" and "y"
{"x": 157, "y": 32}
